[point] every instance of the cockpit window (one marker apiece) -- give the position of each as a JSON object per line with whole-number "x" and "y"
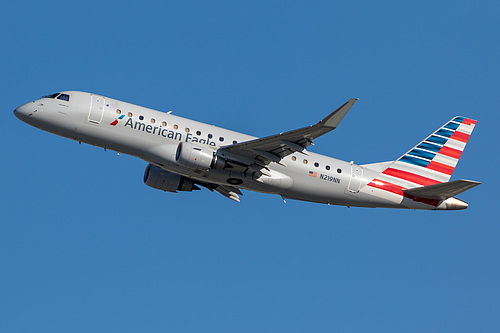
{"x": 64, "y": 97}
{"x": 51, "y": 96}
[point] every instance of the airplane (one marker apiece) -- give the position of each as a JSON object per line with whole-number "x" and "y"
{"x": 184, "y": 154}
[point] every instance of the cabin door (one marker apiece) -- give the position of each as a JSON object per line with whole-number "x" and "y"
{"x": 96, "y": 109}
{"x": 355, "y": 181}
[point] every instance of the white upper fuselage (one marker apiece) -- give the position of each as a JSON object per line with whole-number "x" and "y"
{"x": 154, "y": 137}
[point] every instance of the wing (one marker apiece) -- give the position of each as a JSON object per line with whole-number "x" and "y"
{"x": 257, "y": 154}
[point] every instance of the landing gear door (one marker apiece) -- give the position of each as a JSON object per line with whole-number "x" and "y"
{"x": 355, "y": 180}
{"x": 96, "y": 109}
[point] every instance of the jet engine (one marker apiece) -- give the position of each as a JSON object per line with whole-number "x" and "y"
{"x": 167, "y": 181}
{"x": 195, "y": 157}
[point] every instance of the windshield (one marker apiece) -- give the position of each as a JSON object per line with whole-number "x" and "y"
{"x": 64, "y": 97}
{"x": 51, "y": 96}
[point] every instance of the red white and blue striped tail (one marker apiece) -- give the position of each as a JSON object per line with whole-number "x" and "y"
{"x": 433, "y": 160}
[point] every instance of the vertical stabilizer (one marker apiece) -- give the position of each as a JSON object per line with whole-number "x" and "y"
{"x": 430, "y": 162}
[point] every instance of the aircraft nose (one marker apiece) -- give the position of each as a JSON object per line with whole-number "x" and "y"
{"x": 23, "y": 112}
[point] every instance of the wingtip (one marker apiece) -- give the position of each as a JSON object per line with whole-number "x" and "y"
{"x": 474, "y": 182}
{"x": 334, "y": 118}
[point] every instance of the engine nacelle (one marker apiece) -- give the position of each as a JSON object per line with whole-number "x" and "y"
{"x": 167, "y": 181}
{"x": 195, "y": 157}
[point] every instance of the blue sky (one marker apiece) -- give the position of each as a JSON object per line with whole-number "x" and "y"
{"x": 86, "y": 246}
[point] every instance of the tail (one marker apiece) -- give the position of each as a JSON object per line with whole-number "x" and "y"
{"x": 429, "y": 163}
{"x": 434, "y": 159}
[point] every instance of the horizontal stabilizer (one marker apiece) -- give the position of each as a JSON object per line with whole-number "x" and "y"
{"x": 442, "y": 191}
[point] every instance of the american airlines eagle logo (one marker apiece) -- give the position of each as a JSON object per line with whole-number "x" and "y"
{"x": 116, "y": 120}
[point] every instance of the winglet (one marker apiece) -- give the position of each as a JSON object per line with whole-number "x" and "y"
{"x": 334, "y": 118}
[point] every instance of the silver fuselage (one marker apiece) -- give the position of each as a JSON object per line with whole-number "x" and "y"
{"x": 154, "y": 137}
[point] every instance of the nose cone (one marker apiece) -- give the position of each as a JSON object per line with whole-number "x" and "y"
{"x": 24, "y": 112}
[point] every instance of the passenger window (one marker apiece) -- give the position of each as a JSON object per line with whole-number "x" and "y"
{"x": 198, "y": 133}
{"x": 187, "y": 130}
{"x": 153, "y": 120}
{"x": 339, "y": 170}
{"x": 294, "y": 158}
{"x": 141, "y": 117}
{"x": 221, "y": 139}
{"x": 304, "y": 161}
{"x": 176, "y": 127}
{"x": 129, "y": 114}
{"x": 327, "y": 167}
{"x": 210, "y": 136}
{"x": 118, "y": 111}
{"x": 164, "y": 123}
{"x": 235, "y": 142}
{"x": 316, "y": 164}
{"x": 64, "y": 97}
